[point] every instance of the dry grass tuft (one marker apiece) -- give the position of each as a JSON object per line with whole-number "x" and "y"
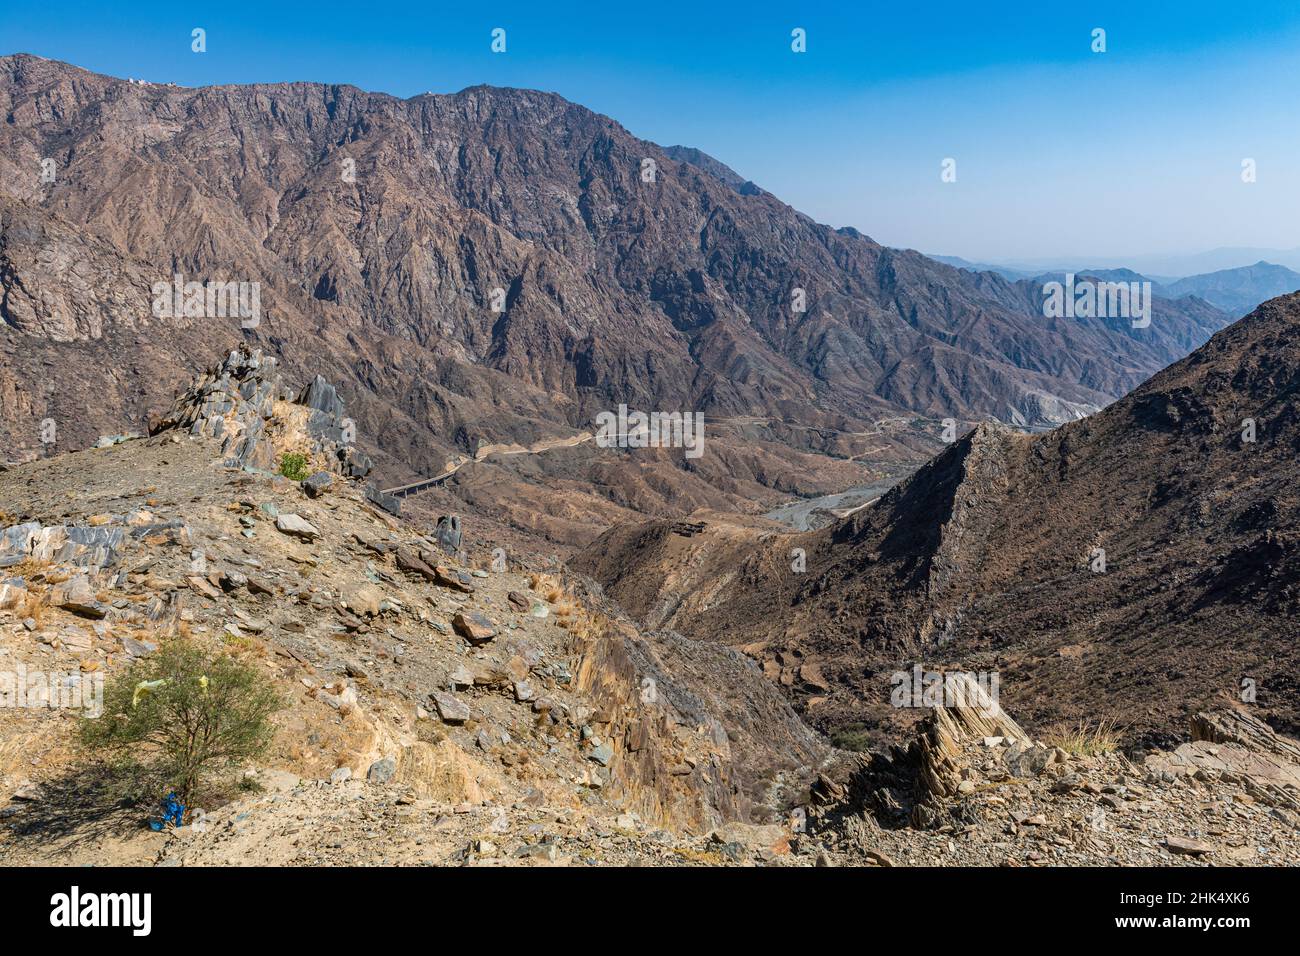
{"x": 1086, "y": 739}
{"x": 36, "y": 606}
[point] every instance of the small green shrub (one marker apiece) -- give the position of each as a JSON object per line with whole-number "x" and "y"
{"x": 184, "y": 715}
{"x": 856, "y": 737}
{"x": 293, "y": 465}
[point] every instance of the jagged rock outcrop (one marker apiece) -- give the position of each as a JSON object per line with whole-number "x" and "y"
{"x": 972, "y": 788}
{"x": 243, "y": 403}
{"x": 1241, "y": 748}
{"x": 949, "y": 730}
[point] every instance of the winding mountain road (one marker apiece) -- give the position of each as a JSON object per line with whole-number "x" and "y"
{"x": 484, "y": 451}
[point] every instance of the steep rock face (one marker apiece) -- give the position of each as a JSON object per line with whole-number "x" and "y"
{"x": 243, "y": 403}
{"x": 490, "y": 267}
{"x": 700, "y": 737}
{"x": 1137, "y": 564}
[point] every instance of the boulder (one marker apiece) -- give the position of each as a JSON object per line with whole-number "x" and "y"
{"x": 754, "y": 837}
{"x": 382, "y": 771}
{"x": 13, "y": 591}
{"x": 317, "y": 484}
{"x": 1026, "y": 759}
{"x": 450, "y": 708}
{"x": 474, "y": 627}
{"x": 321, "y": 396}
{"x": 390, "y": 503}
{"x": 355, "y": 464}
{"x": 202, "y": 587}
{"x": 344, "y": 699}
{"x": 16, "y": 542}
{"x": 232, "y": 580}
{"x": 364, "y": 599}
{"x": 296, "y": 526}
{"x": 138, "y": 648}
{"x": 28, "y": 792}
{"x": 78, "y": 596}
{"x": 447, "y": 532}
{"x": 1185, "y": 846}
{"x": 408, "y": 562}
{"x": 456, "y": 580}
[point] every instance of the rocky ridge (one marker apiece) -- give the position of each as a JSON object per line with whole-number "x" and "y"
{"x": 973, "y": 788}
{"x": 449, "y": 710}
{"x": 235, "y": 401}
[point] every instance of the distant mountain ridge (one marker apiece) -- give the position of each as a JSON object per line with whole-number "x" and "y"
{"x": 1238, "y": 291}
{"x": 702, "y": 160}
{"x": 1235, "y": 291}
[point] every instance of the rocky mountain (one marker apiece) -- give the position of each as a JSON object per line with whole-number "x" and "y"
{"x": 1238, "y": 291}
{"x": 957, "y": 262}
{"x": 492, "y": 269}
{"x": 1234, "y": 291}
{"x": 715, "y": 167}
{"x": 1106, "y": 275}
{"x": 1133, "y": 566}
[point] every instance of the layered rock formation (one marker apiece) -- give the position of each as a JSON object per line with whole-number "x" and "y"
{"x": 973, "y": 788}
{"x": 237, "y": 401}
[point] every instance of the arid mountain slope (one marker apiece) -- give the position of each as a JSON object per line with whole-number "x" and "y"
{"x": 411, "y": 673}
{"x": 1135, "y": 564}
{"x": 443, "y": 707}
{"x": 495, "y": 267}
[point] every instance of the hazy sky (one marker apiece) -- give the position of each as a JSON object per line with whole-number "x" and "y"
{"x": 1059, "y": 150}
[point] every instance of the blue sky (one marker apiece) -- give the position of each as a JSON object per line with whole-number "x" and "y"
{"x": 1060, "y": 151}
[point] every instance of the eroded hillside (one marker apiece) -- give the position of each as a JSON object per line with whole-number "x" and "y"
{"x": 492, "y": 701}
{"x": 496, "y": 268}
{"x": 1135, "y": 565}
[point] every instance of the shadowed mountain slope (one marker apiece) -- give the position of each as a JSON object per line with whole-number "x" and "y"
{"x": 1133, "y": 565}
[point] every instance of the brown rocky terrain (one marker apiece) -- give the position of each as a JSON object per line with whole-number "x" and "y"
{"x": 446, "y": 705}
{"x": 1136, "y": 566}
{"x": 495, "y": 267}
{"x": 458, "y": 285}
{"x": 973, "y": 788}
{"x": 447, "y": 675}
